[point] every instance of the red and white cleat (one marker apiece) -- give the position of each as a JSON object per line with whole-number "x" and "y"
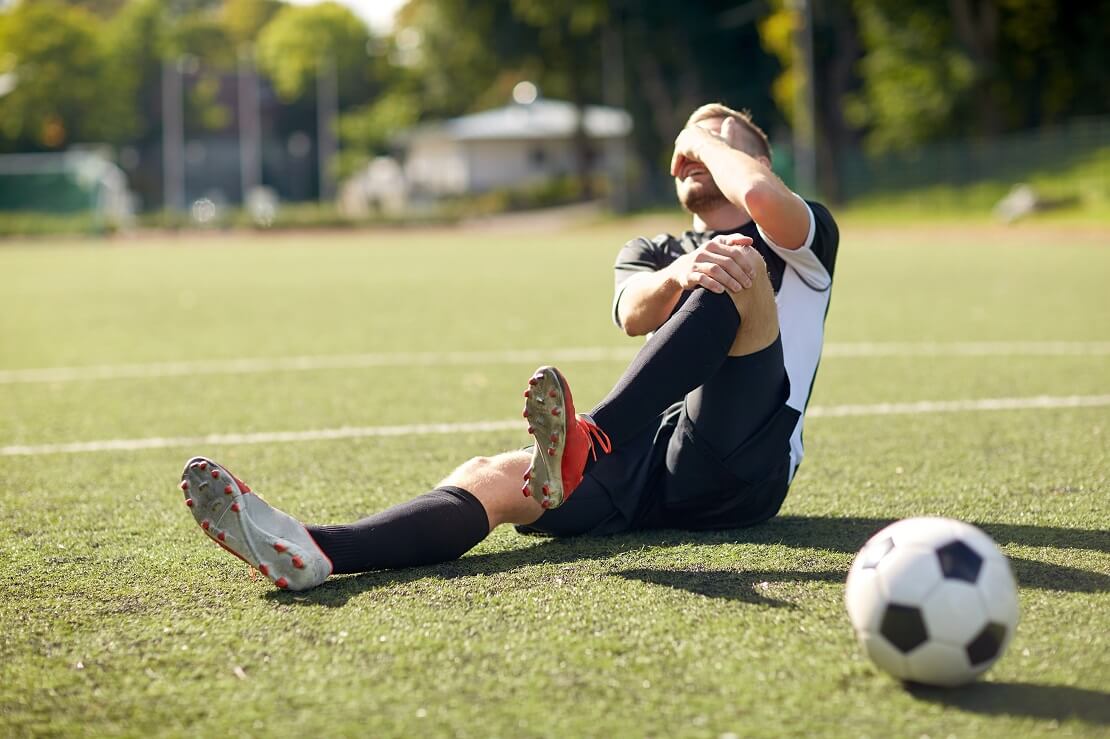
{"x": 563, "y": 439}
{"x": 273, "y": 542}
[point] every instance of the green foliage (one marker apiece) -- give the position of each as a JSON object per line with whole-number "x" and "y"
{"x": 244, "y": 19}
{"x": 66, "y": 88}
{"x": 913, "y": 75}
{"x": 299, "y": 39}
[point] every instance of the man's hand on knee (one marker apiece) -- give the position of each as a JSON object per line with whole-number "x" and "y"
{"x": 724, "y": 264}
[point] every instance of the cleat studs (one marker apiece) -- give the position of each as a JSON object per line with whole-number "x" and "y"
{"x": 552, "y": 394}
{"x": 533, "y": 380}
{"x": 526, "y": 490}
{"x": 281, "y": 582}
{"x": 531, "y": 430}
{"x": 528, "y": 393}
{"x": 546, "y": 490}
{"x": 235, "y": 507}
{"x": 203, "y": 466}
{"x": 298, "y": 563}
{"x": 264, "y": 569}
{"x": 526, "y": 413}
{"x": 205, "y": 524}
{"x": 215, "y": 474}
{"x": 189, "y": 502}
{"x": 528, "y": 475}
{"x": 555, "y": 411}
{"x": 279, "y": 547}
{"x": 227, "y": 490}
{"x": 551, "y": 451}
{"x": 546, "y": 503}
{"x": 554, "y": 438}
{"x": 184, "y": 485}
{"x": 221, "y": 536}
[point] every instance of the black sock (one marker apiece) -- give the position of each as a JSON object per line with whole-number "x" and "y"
{"x": 436, "y": 527}
{"x": 683, "y": 354}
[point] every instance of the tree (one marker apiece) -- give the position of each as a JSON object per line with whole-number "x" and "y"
{"x": 299, "y": 39}
{"x": 244, "y": 19}
{"x": 65, "y": 89}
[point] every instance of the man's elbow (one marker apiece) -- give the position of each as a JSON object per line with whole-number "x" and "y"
{"x": 760, "y": 198}
{"x": 634, "y": 326}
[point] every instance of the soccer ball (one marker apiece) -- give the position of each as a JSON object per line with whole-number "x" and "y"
{"x": 932, "y": 601}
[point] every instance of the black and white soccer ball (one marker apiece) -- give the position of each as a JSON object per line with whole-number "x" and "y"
{"x": 932, "y": 601}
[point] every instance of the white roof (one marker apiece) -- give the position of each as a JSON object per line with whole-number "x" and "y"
{"x": 542, "y": 119}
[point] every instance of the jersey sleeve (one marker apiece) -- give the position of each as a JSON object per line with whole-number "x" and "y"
{"x": 636, "y": 257}
{"x": 815, "y": 259}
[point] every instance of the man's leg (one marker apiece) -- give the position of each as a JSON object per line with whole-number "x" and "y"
{"x": 438, "y": 526}
{"x": 686, "y": 351}
{"x": 728, "y": 458}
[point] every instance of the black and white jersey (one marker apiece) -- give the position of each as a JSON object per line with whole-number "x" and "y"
{"x": 802, "y": 279}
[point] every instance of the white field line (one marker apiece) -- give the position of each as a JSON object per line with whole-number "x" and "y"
{"x": 259, "y": 365}
{"x": 358, "y": 432}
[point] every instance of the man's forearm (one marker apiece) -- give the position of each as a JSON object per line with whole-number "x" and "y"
{"x": 741, "y": 178}
{"x": 647, "y": 301}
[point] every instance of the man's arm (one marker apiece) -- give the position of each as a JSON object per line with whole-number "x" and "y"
{"x": 747, "y": 182}
{"x": 647, "y": 299}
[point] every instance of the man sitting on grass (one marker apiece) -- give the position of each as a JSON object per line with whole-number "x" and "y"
{"x": 702, "y": 431}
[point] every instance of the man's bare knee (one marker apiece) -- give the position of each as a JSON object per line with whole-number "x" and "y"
{"x": 759, "y": 320}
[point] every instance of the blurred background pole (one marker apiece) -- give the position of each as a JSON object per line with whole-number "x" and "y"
{"x": 173, "y": 137}
{"x": 805, "y": 106}
{"x": 612, "y": 81}
{"x": 327, "y": 110}
{"x": 250, "y": 125}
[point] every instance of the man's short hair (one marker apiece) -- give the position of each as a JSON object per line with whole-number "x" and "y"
{"x": 761, "y": 146}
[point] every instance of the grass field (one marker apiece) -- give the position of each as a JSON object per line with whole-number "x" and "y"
{"x": 119, "y": 617}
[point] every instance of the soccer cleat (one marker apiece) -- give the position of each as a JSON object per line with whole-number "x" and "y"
{"x": 563, "y": 439}
{"x": 275, "y": 543}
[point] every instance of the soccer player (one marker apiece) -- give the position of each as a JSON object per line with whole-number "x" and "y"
{"x": 702, "y": 431}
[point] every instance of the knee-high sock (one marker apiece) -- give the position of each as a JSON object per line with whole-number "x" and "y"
{"x": 685, "y": 352}
{"x": 435, "y": 527}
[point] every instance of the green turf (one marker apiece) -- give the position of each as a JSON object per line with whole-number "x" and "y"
{"x": 121, "y": 618}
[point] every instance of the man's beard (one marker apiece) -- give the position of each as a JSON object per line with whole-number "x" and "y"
{"x": 701, "y": 199}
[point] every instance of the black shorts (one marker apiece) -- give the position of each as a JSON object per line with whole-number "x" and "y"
{"x": 720, "y": 470}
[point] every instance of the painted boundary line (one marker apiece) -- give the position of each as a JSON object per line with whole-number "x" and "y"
{"x": 260, "y": 365}
{"x": 358, "y": 432}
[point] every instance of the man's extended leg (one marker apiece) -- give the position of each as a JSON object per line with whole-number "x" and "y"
{"x": 435, "y": 527}
{"x": 438, "y": 526}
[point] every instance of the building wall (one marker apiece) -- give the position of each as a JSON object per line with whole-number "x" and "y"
{"x": 438, "y": 166}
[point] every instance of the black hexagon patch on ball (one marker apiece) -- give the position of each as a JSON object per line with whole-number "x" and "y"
{"x": 904, "y": 627}
{"x": 987, "y": 644}
{"x": 958, "y": 561}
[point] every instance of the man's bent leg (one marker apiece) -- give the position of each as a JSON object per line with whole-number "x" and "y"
{"x": 760, "y": 325}
{"x": 685, "y": 352}
{"x": 751, "y": 385}
{"x": 728, "y": 459}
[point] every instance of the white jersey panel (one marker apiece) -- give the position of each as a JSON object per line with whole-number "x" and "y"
{"x": 802, "y": 301}
{"x": 802, "y": 326}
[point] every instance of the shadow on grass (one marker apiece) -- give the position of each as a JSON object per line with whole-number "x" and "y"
{"x": 746, "y": 586}
{"x": 1058, "y": 702}
{"x": 845, "y": 535}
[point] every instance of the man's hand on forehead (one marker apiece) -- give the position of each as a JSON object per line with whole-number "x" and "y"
{"x": 691, "y": 140}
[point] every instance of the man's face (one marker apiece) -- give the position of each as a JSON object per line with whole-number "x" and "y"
{"x": 696, "y": 190}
